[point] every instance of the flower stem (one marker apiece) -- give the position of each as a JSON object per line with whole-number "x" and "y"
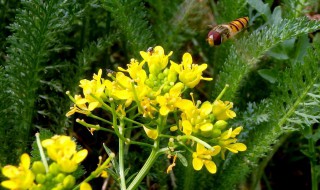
{"x": 43, "y": 157}
{"x": 146, "y": 167}
{"x": 121, "y": 164}
{"x": 208, "y": 146}
{"x": 313, "y": 160}
{"x": 98, "y": 171}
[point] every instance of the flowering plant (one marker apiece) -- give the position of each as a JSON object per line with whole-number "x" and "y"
{"x": 151, "y": 89}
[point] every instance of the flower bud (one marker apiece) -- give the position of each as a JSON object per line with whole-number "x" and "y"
{"x": 40, "y": 178}
{"x": 54, "y": 168}
{"x": 216, "y": 132}
{"x": 220, "y": 124}
{"x": 60, "y": 177}
{"x": 69, "y": 182}
{"x": 38, "y": 167}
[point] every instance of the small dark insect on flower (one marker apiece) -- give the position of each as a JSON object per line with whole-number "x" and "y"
{"x": 222, "y": 32}
{"x": 111, "y": 72}
{"x": 150, "y": 50}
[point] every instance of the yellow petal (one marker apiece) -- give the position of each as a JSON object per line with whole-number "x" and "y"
{"x": 211, "y": 166}
{"x": 25, "y": 161}
{"x": 187, "y": 127}
{"x": 151, "y": 133}
{"x": 197, "y": 164}
{"x": 10, "y": 184}
{"x": 80, "y": 156}
{"x": 10, "y": 171}
{"x": 206, "y": 127}
{"x": 200, "y": 148}
{"x": 164, "y": 110}
{"x": 85, "y": 186}
{"x": 216, "y": 150}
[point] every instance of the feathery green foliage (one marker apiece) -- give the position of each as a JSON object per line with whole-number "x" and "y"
{"x": 295, "y": 85}
{"x": 35, "y": 33}
{"x": 49, "y": 46}
{"x": 241, "y": 60}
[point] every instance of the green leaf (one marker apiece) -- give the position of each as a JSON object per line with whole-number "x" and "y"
{"x": 262, "y": 8}
{"x": 268, "y": 74}
{"x": 182, "y": 159}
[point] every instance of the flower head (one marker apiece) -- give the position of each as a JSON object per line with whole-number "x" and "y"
{"x": 227, "y": 141}
{"x": 19, "y": 177}
{"x": 203, "y": 156}
{"x": 156, "y": 60}
{"x": 190, "y": 74}
{"x": 63, "y": 150}
{"x": 221, "y": 110}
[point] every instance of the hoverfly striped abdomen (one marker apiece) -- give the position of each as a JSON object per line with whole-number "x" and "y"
{"x": 222, "y": 32}
{"x": 238, "y": 24}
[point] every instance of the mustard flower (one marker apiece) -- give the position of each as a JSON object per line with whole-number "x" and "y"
{"x": 135, "y": 70}
{"x": 203, "y": 156}
{"x": 94, "y": 87}
{"x": 80, "y": 106}
{"x": 169, "y": 100}
{"x": 221, "y": 110}
{"x": 63, "y": 150}
{"x": 227, "y": 141}
{"x": 19, "y": 177}
{"x": 156, "y": 60}
{"x": 190, "y": 74}
{"x": 194, "y": 119}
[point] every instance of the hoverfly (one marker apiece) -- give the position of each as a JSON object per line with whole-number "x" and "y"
{"x": 222, "y": 32}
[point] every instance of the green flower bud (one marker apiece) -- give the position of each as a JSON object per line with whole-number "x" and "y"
{"x": 216, "y": 132}
{"x": 40, "y": 178}
{"x": 54, "y": 168}
{"x": 38, "y": 167}
{"x": 220, "y": 124}
{"x": 60, "y": 177}
{"x": 69, "y": 182}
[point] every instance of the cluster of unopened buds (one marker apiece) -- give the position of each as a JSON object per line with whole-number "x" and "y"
{"x": 149, "y": 97}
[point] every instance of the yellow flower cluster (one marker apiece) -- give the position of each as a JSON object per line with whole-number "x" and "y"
{"x": 64, "y": 160}
{"x": 62, "y": 150}
{"x": 155, "y": 88}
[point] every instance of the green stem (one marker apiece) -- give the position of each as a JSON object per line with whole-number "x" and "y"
{"x": 146, "y": 167}
{"x": 99, "y": 118}
{"x": 121, "y": 165}
{"x": 208, "y": 146}
{"x": 96, "y": 172}
{"x": 141, "y": 143}
{"x": 42, "y": 155}
{"x": 313, "y": 160}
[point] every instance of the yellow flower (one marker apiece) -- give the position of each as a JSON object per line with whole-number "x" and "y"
{"x": 203, "y": 156}
{"x": 169, "y": 100}
{"x": 221, "y": 110}
{"x": 156, "y": 60}
{"x": 94, "y": 87}
{"x": 227, "y": 141}
{"x": 135, "y": 70}
{"x": 81, "y": 107}
{"x": 148, "y": 107}
{"x": 190, "y": 74}
{"x": 194, "y": 119}
{"x": 63, "y": 150}
{"x": 19, "y": 177}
